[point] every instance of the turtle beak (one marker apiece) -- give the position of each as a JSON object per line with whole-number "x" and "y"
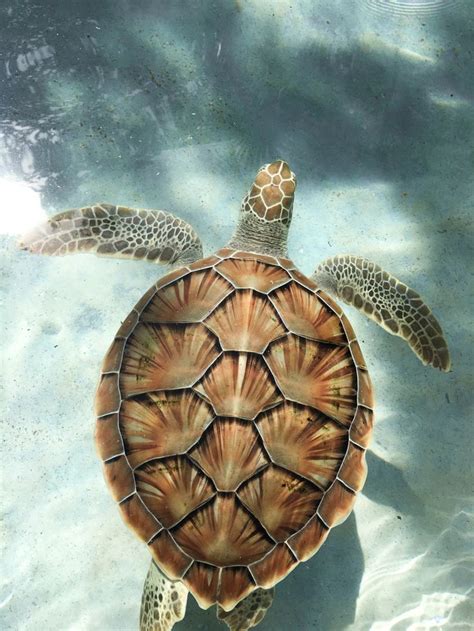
{"x": 280, "y": 167}
{"x": 282, "y": 176}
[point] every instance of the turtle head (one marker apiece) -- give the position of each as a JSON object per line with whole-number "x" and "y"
{"x": 266, "y": 210}
{"x": 272, "y": 193}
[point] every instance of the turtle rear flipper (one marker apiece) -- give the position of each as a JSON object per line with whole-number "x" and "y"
{"x": 163, "y": 602}
{"x": 396, "y": 307}
{"x": 117, "y": 231}
{"x": 248, "y": 612}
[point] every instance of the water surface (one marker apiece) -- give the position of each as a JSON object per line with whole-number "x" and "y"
{"x": 175, "y": 105}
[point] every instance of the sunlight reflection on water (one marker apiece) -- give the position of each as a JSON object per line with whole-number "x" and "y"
{"x": 439, "y": 576}
{"x": 21, "y": 207}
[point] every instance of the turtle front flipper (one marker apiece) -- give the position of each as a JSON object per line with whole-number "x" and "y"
{"x": 163, "y": 602}
{"x": 107, "y": 230}
{"x": 249, "y": 611}
{"x": 396, "y": 307}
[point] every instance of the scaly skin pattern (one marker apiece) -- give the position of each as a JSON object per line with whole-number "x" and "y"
{"x": 248, "y": 612}
{"x": 266, "y": 211}
{"x": 396, "y": 307}
{"x": 163, "y": 602}
{"x": 107, "y": 230}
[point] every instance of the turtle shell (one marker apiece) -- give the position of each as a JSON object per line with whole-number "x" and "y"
{"x": 234, "y": 409}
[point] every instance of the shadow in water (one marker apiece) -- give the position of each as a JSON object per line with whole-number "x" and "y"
{"x": 386, "y": 485}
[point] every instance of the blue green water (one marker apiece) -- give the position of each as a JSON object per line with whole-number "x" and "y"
{"x": 174, "y": 105}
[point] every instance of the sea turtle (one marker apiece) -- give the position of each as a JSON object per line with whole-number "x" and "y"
{"x": 234, "y": 406}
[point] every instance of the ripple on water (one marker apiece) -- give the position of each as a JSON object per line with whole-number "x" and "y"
{"x": 439, "y": 576}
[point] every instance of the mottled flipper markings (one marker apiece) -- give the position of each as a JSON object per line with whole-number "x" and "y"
{"x": 396, "y": 307}
{"x": 163, "y": 602}
{"x": 249, "y": 611}
{"x": 107, "y": 230}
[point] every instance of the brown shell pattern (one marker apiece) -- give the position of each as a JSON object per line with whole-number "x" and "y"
{"x": 234, "y": 410}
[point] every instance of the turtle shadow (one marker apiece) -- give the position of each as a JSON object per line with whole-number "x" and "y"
{"x": 319, "y": 594}
{"x": 386, "y": 485}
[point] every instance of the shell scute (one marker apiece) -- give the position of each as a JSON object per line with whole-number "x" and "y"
{"x": 107, "y": 398}
{"x": 107, "y": 437}
{"x": 229, "y": 453}
{"x": 286, "y": 263}
{"x": 172, "y": 276}
{"x": 189, "y": 299}
{"x": 332, "y": 304}
{"x": 224, "y": 253}
{"x": 306, "y": 315}
{"x": 350, "y": 334}
{"x": 128, "y": 325}
{"x": 365, "y": 390}
{"x": 145, "y": 299}
{"x": 171, "y": 488}
{"x": 282, "y": 502}
{"x": 164, "y": 423}
{"x": 362, "y": 426}
{"x": 235, "y": 584}
{"x": 252, "y": 274}
{"x": 205, "y": 263}
{"x": 309, "y": 539}
{"x": 239, "y": 385}
{"x": 254, "y": 256}
{"x": 203, "y": 581}
{"x": 169, "y": 557}
{"x": 113, "y": 358}
{"x": 353, "y": 471}
{"x": 336, "y": 504}
{"x": 319, "y": 375}
{"x": 138, "y": 518}
{"x": 274, "y": 567}
{"x": 303, "y": 440}
{"x": 357, "y": 355}
{"x": 222, "y": 533}
{"x": 119, "y": 477}
{"x": 164, "y": 357}
{"x": 245, "y": 322}
{"x": 302, "y": 279}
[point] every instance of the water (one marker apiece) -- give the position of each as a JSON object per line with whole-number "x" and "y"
{"x": 175, "y": 105}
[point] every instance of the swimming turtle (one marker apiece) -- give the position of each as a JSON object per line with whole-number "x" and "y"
{"x": 234, "y": 406}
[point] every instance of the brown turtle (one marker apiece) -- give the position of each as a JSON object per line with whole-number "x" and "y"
{"x": 234, "y": 406}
